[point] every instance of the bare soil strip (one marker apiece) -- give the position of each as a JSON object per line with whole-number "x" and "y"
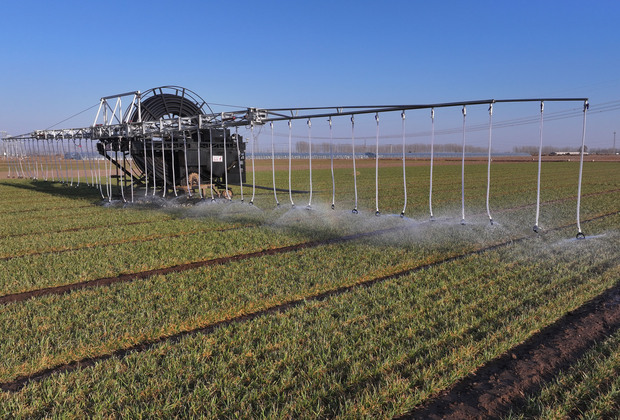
{"x": 505, "y": 381}
{"x": 19, "y": 383}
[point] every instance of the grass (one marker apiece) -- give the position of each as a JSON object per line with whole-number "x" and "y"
{"x": 374, "y": 351}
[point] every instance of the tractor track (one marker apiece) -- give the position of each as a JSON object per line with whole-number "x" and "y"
{"x": 20, "y": 382}
{"x": 505, "y": 381}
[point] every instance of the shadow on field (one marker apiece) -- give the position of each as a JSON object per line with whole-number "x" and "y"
{"x": 83, "y": 192}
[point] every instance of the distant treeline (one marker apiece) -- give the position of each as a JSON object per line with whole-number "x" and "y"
{"x": 546, "y": 150}
{"x": 303, "y": 147}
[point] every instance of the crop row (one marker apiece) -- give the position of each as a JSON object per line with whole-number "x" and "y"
{"x": 375, "y": 352}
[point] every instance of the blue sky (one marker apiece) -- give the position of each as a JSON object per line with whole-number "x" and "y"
{"x": 59, "y": 58}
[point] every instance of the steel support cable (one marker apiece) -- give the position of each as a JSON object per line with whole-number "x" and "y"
{"x": 331, "y": 163}
{"x": 310, "y": 159}
{"x": 253, "y": 163}
{"x": 239, "y": 161}
{"x": 211, "y": 162}
{"x": 430, "y": 192}
{"x": 542, "y": 109}
{"x": 354, "y": 211}
{"x": 198, "y": 153}
{"x": 463, "y": 169}
{"x": 226, "y": 193}
{"x": 290, "y": 151}
{"x": 489, "y": 163}
{"x": 402, "y": 213}
{"x": 174, "y": 175}
{"x": 580, "y": 234}
{"x": 189, "y": 191}
{"x": 273, "y": 165}
{"x": 377, "y": 212}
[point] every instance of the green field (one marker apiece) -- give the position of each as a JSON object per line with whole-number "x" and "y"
{"x": 369, "y": 318}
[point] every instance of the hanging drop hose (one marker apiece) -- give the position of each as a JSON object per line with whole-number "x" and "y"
{"x": 189, "y": 191}
{"x": 463, "y": 170}
{"x": 489, "y": 163}
{"x": 430, "y": 192}
{"x": 310, "y": 160}
{"x": 83, "y": 163}
{"x": 290, "y": 151}
{"x": 331, "y": 159}
{"x": 130, "y": 170}
{"x": 402, "y": 213}
{"x": 228, "y": 195}
{"x": 580, "y": 234}
{"x": 354, "y": 211}
{"x": 377, "y": 212}
{"x": 253, "y": 164}
{"x": 163, "y": 165}
{"x": 273, "y": 166}
{"x": 211, "y": 162}
{"x": 174, "y": 175}
{"x": 99, "y": 179}
{"x": 153, "y": 160}
{"x": 238, "y": 162}
{"x": 146, "y": 169}
{"x": 198, "y": 153}
{"x": 542, "y": 108}
{"x": 78, "y": 166}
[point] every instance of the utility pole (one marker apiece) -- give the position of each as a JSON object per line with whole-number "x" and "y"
{"x": 614, "y": 142}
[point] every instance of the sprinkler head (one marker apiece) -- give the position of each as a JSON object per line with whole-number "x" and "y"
{"x": 251, "y": 203}
{"x": 463, "y": 222}
{"x": 402, "y": 214}
{"x": 377, "y": 213}
{"x": 333, "y": 206}
{"x": 308, "y": 207}
{"x": 536, "y": 228}
{"x": 354, "y": 211}
{"x": 491, "y": 220}
{"x": 580, "y": 235}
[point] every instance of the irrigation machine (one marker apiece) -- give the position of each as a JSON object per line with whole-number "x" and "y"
{"x": 168, "y": 140}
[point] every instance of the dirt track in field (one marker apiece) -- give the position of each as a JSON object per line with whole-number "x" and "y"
{"x": 505, "y": 381}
